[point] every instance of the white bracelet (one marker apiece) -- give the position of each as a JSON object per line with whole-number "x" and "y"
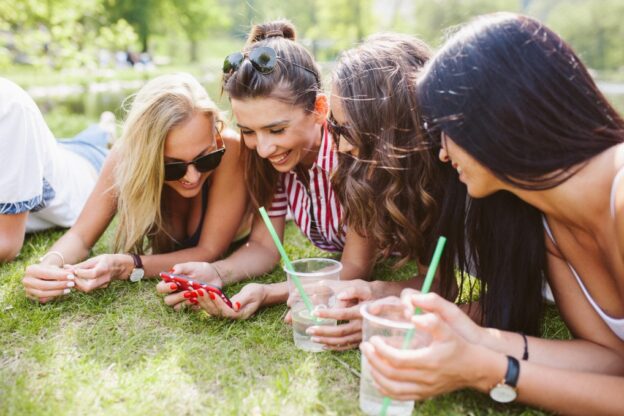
{"x": 42, "y": 258}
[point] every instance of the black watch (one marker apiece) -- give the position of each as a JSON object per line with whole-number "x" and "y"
{"x": 506, "y": 391}
{"x": 138, "y": 272}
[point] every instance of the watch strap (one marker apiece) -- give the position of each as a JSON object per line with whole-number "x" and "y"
{"x": 513, "y": 371}
{"x": 138, "y": 264}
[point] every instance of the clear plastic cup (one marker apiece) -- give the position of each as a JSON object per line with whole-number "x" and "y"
{"x": 311, "y": 272}
{"x": 385, "y": 318}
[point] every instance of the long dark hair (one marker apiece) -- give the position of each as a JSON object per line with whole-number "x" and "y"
{"x": 387, "y": 191}
{"x": 294, "y": 80}
{"x": 515, "y": 96}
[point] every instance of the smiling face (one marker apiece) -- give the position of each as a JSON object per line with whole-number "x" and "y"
{"x": 186, "y": 142}
{"x": 284, "y": 134}
{"x": 479, "y": 180}
{"x": 338, "y": 113}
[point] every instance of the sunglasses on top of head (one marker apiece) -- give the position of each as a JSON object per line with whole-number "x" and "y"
{"x": 338, "y": 131}
{"x": 263, "y": 59}
{"x": 176, "y": 170}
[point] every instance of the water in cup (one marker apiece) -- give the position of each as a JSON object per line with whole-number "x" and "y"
{"x": 301, "y": 321}
{"x": 371, "y": 401}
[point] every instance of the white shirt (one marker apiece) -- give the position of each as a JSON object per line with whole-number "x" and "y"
{"x": 37, "y": 174}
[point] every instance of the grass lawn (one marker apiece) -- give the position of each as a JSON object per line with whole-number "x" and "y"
{"x": 121, "y": 350}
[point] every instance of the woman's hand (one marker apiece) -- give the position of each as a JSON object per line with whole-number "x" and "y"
{"x": 175, "y": 298}
{"x": 44, "y": 283}
{"x": 350, "y": 295}
{"x": 246, "y": 302}
{"x": 461, "y": 323}
{"x": 201, "y": 271}
{"x": 448, "y": 363}
{"x": 97, "y": 272}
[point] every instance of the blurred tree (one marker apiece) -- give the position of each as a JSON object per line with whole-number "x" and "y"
{"x": 58, "y": 33}
{"x": 433, "y": 18}
{"x": 141, "y": 14}
{"x": 197, "y": 19}
{"x": 594, "y": 29}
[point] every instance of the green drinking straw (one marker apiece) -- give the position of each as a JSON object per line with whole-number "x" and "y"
{"x": 425, "y": 289}
{"x": 287, "y": 262}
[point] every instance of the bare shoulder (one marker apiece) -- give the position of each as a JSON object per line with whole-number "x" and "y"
{"x": 619, "y": 200}
{"x": 232, "y": 162}
{"x": 232, "y": 141}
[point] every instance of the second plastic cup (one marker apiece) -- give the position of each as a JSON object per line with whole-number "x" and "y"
{"x": 385, "y": 318}
{"x": 311, "y": 272}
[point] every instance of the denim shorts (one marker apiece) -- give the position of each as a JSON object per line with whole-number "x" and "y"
{"x": 91, "y": 144}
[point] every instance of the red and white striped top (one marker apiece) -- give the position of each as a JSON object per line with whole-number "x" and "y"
{"x": 316, "y": 209}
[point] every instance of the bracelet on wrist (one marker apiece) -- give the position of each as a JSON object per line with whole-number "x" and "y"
{"x": 55, "y": 253}
{"x": 525, "y": 354}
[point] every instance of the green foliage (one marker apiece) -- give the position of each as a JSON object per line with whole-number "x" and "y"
{"x": 70, "y": 33}
{"x": 434, "y": 19}
{"x": 594, "y": 29}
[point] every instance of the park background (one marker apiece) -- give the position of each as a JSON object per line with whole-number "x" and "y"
{"x": 121, "y": 350}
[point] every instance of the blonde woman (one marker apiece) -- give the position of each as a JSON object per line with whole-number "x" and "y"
{"x": 175, "y": 182}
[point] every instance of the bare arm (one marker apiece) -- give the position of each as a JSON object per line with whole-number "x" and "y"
{"x": 561, "y": 391}
{"x": 454, "y": 360}
{"x": 12, "y": 230}
{"x": 358, "y": 257}
{"x": 258, "y": 256}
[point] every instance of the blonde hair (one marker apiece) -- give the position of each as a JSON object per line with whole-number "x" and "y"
{"x": 161, "y": 105}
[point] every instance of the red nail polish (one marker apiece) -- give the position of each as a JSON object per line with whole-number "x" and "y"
{"x": 237, "y": 306}
{"x": 173, "y": 286}
{"x": 187, "y": 295}
{"x": 193, "y": 294}
{"x": 194, "y": 302}
{"x": 200, "y": 292}
{"x": 212, "y": 296}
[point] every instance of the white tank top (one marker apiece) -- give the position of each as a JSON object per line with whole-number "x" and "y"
{"x": 616, "y": 325}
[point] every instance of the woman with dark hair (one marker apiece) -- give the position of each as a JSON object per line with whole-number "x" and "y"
{"x": 388, "y": 183}
{"x": 275, "y": 90}
{"x": 539, "y": 151}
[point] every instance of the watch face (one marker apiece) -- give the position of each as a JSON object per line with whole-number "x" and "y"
{"x": 503, "y": 393}
{"x": 136, "y": 275}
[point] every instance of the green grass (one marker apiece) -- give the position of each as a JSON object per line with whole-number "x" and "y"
{"x": 121, "y": 350}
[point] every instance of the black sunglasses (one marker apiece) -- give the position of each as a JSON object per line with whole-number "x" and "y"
{"x": 263, "y": 59}
{"x": 203, "y": 164}
{"x": 336, "y": 130}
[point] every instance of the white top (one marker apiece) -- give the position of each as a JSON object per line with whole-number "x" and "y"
{"x": 38, "y": 175}
{"x": 616, "y": 325}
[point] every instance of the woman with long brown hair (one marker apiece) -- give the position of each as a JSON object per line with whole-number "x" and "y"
{"x": 389, "y": 182}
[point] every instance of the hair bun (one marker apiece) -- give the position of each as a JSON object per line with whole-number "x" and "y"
{"x": 275, "y": 29}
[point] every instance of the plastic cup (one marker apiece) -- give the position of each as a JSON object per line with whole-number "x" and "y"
{"x": 385, "y": 318}
{"x": 311, "y": 272}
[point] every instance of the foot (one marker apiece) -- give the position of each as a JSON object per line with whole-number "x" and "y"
{"x": 107, "y": 123}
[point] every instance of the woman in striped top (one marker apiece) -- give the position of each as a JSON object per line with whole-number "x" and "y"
{"x": 289, "y": 155}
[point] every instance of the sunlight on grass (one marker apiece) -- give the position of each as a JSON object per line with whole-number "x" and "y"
{"x": 121, "y": 350}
